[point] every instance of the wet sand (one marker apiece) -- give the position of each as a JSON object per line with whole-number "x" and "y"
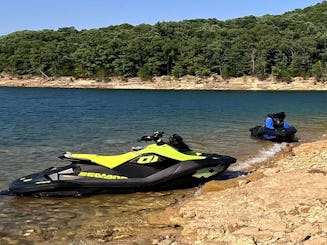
{"x": 113, "y": 219}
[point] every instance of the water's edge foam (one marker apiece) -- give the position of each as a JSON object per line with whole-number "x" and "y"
{"x": 262, "y": 156}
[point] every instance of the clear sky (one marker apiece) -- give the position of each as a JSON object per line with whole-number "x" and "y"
{"x": 18, "y": 15}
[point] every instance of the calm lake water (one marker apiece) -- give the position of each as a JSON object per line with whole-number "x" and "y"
{"x": 37, "y": 125}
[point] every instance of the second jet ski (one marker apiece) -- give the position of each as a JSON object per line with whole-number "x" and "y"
{"x": 158, "y": 166}
{"x": 275, "y": 129}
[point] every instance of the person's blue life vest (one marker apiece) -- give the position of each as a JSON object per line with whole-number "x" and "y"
{"x": 269, "y": 123}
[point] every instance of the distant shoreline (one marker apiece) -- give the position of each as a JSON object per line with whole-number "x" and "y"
{"x": 167, "y": 83}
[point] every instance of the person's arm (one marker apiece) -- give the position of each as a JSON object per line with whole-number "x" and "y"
{"x": 269, "y": 123}
{"x": 286, "y": 125}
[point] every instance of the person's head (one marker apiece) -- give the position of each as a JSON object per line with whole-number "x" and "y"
{"x": 278, "y": 118}
{"x": 280, "y": 115}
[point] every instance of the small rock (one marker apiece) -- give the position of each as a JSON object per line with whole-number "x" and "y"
{"x": 155, "y": 241}
{"x": 243, "y": 182}
{"x": 123, "y": 236}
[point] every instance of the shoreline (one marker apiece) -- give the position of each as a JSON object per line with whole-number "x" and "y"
{"x": 282, "y": 199}
{"x": 215, "y": 82}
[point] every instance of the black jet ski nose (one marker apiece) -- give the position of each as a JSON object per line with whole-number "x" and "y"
{"x": 220, "y": 159}
{"x": 228, "y": 159}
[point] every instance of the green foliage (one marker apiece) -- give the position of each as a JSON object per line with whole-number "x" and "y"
{"x": 288, "y": 45}
{"x": 281, "y": 74}
{"x": 225, "y": 72}
{"x": 319, "y": 71}
{"x": 144, "y": 73}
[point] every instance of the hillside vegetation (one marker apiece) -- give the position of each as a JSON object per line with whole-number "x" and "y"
{"x": 288, "y": 45}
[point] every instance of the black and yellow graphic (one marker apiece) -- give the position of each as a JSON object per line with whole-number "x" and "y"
{"x": 148, "y": 159}
{"x": 101, "y": 175}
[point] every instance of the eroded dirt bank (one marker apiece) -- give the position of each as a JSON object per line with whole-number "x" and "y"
{"x": 284, "y": 201}
{"x": 165, "y": 82}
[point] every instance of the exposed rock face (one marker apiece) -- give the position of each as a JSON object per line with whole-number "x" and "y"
{"x": 288, "y": 205}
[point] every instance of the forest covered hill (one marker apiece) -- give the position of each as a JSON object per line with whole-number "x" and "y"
{"x": 285, "y": 46}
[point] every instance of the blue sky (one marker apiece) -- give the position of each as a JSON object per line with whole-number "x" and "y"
{"x": 87, "y": 14}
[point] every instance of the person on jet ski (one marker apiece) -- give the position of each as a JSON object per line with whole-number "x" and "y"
{"x": 275, "y": 121}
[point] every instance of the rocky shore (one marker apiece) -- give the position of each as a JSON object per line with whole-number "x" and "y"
{"x": 282, "y": 201}
{"x": 214, "y": 82}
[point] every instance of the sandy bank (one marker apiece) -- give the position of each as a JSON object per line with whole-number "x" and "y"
{"x": 284, "y": 201}
{"x": 166, "y": 82}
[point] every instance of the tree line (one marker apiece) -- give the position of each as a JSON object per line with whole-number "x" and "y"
{"x": 285, "y": 46}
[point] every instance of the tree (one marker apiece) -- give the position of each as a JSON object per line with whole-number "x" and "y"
{"x": 319, "y": 71}
{"x": 288, "y": 45}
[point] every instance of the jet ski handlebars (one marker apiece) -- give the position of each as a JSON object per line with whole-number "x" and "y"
{"x": 175, "y": 141}
{"x": 156, "y": 137}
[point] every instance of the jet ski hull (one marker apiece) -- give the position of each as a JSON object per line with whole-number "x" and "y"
{"x": 279, "y": 135}
{"x": 84, "y": 178}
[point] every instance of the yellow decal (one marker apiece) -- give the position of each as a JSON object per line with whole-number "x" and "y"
{"x": 161, "y": 150}
{"x": 208, "y": 172}
{"x": 148, "y": 159}
{"x": 43, "y": 182}
{"x": 100, "y": 176}
{"x": 27, "y": 180}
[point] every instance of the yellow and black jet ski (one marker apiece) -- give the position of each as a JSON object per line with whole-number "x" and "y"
{"x": 158, "y": 166}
